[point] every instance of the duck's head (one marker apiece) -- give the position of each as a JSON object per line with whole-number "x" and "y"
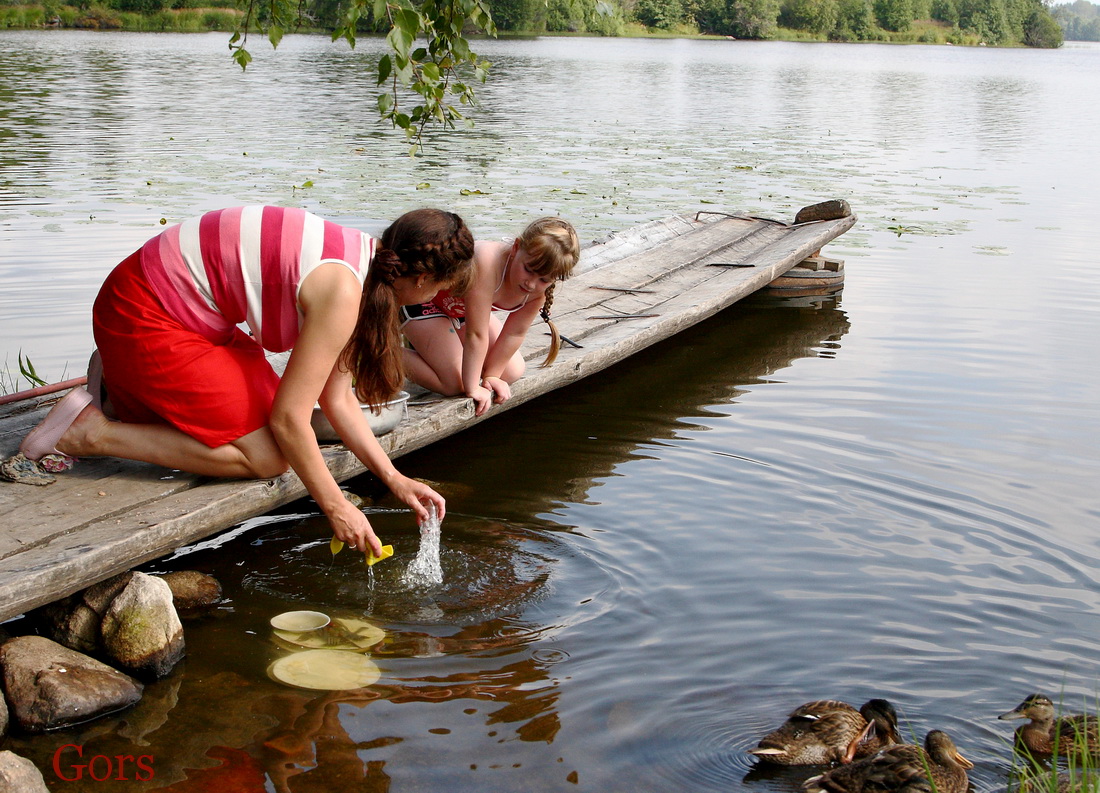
{"x": 942, "y": 749}
{"x": 1035, "y": 707}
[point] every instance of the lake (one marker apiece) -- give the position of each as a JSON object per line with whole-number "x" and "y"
{"x": 888, "y": 493}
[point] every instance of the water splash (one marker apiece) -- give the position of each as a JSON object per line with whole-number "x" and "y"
{"x": 425, "y": 570}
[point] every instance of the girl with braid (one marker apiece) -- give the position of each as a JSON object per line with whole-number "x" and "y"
{"x": 459, "y": 346}
{"x": 193, "y": 391}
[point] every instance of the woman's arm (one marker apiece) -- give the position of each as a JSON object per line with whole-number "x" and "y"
{"x": 330, "y": 303}
{"x": 330, "y": 298}
{"x": 344, "y": 412}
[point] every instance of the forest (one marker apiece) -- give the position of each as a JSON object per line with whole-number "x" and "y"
{"x": 1080, "y": 21}
{"x": 1029, "y": 23}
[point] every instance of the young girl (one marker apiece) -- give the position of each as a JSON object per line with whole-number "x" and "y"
{"x": 194, "y": 392}
{"x": 459, "y": 347}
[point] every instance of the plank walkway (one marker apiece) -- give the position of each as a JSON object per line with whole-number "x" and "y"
{"x": 637, "y": 288}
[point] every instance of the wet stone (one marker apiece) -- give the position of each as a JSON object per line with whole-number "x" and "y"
{"x": 141, "y": 630}
{"x": 19, "y": 775}
{"x": 75, "y": 621}
{"x": 49, "y": 686}
{"x": 192, "y": 591}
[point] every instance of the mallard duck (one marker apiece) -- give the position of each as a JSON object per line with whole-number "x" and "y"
{"x": 1081, "y": 781}
{"x": 829, "y": 731}
{"x": 905, "y": 768}
{"x": 1077, "y": 733}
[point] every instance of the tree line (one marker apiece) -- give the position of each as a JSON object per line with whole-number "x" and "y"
{"x": 1080, "y": 21}
{"x": 993, "y": 22}
{"x": 996, "y": 22}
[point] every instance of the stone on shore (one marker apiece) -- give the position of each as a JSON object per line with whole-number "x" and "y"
{"x": 20, "y": 775}
{"x": 141, "y": 630}
{"x": 49, "y": 686}
{"x": 192, "y": 591}
{"x": 74, "y": 621}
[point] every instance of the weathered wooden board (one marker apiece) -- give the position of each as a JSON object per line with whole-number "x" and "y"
{"x": 106, "y": 516}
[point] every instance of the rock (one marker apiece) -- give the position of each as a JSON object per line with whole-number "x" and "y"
{"x": 19, "y": 775}
{"x": 826, "y": 210}
{"x": 98, "y": 597}
{"x": 192, "y": 590}
{"x": 141, "y": 630}
{"x": 71, "y": 623}
{"x": 74, "y": 621}
{"x": 49, "y": 686}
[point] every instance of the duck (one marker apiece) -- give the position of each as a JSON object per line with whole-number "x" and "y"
{"x": 1072, "y": 734}
{"x": 827, "y": 731}
{"x": 937, "y": 767}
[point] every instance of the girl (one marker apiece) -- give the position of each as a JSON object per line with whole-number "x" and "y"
{"x": 458, "y": 347}
{"x": 194, "y": 392}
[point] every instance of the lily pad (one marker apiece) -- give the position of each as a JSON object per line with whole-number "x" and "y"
{"x": 325, "y": 670}
{"x": 344, "y": 633}
{"x": 299, "y": 621}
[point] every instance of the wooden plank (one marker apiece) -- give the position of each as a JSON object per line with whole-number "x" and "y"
{"x": 107, "y": 516}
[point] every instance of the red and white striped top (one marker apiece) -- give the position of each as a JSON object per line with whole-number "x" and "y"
{"x": 246, "y": 265}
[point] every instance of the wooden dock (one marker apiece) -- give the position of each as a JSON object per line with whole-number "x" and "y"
{"x": 637, "y": 288}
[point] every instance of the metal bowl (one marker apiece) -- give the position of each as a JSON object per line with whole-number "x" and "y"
{"x": 381, "y": 423}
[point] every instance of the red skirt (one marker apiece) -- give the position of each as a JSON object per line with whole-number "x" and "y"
{"x": 157, "y": 371}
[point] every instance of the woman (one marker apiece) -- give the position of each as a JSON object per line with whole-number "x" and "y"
{"x": 193, "y": 391}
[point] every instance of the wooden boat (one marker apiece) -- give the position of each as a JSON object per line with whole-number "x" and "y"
{"x": 630, "y": 291}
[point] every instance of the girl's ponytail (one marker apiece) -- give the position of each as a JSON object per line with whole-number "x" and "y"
{"x": 555, "y": 337}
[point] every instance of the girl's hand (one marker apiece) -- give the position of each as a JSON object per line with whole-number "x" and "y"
{"x": 502, "y": 392}
{"x": 418, "y": 496}
{"x": 483, "y": 398}
{"x": 351, "y": 527}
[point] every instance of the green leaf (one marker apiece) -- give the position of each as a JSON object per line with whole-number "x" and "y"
{"x": 26, "y": 368}
{"x": 242, "y": 57}
{"x": 423, "y": 185}
{"x": 385, "y": 103}
{"x": 465, "y": 191}
{"x": 430, "y": 72}
{"x": 385, "y": 68}
{"x": 275, "y": 35}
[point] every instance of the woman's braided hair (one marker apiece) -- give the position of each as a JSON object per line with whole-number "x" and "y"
{"x": 427, "y": 242}
{"x": 552, "y": 250}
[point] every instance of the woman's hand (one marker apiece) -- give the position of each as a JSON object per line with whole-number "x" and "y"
{"x": 418, "y": 496}
{"x": 502, "y": 392}
{"x": 483, "y": 398}
{"x": 351, "y": 527}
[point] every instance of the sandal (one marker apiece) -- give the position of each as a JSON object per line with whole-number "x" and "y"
{"x": 42, "y": 440}
{"x": 95, "y": 379}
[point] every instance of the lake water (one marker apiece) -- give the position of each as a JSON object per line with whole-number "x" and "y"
{"x": 888, "y": 493}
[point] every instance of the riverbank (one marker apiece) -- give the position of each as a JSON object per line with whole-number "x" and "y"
{"x": 225, "y": 19}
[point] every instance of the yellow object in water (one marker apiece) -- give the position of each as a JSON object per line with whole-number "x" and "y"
{"x": 387, "y": 552}
{"x": 335, "y": 546}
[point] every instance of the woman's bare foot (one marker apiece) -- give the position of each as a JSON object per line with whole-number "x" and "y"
{"x": 82, "y": 438}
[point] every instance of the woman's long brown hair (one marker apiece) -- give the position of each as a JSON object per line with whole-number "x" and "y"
{"x": 427, "y": 242}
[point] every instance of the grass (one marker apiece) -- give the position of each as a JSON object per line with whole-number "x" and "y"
{"x": 1069, "y": 769}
